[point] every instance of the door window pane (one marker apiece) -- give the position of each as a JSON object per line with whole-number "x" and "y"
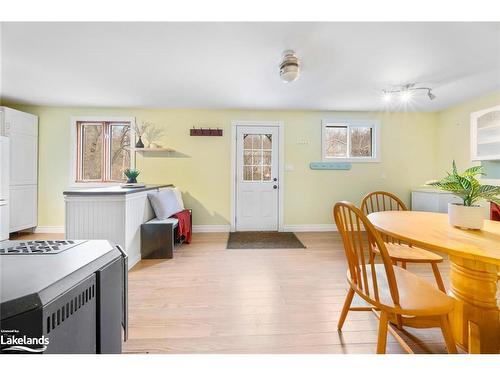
{"x": 257, "y": 157}
{"x": 247, "y": 141}
{"x": 247, "y": 157}
{"x": 267, "y": 142}
{"x": 120, "y": 152}
{"x": 266, "y": 158}
{"x": 266, "y": 173}
{"x": 257, "y": 141}
{"x": 257, "y": 173}
{"x": 247, "y": 173}
{"x": 361, "y": 142}
{"x": 92, "y": 152}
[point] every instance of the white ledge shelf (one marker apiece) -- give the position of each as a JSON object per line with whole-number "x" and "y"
{"x": 151, "y": 149}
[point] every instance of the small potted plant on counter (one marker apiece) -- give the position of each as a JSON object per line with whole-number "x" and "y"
{"x": 465, "y": 185}
{"x": 131, "y": 175}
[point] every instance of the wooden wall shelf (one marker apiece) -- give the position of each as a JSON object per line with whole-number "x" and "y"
{"x": 148, "y": 149}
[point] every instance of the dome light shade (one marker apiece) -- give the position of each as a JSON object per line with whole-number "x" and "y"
{"x": 289, "y": 67}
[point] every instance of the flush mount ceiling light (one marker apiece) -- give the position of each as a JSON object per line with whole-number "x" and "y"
{"x": 289, "y": 67}
{"x": 406, "y": 93}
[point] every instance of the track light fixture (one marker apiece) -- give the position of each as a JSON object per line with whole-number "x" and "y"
{"x": 405, "y": 93}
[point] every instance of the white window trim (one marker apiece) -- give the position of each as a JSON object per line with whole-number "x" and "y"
{"x": 374, "y": 124}
{"x": 72, "y": 158}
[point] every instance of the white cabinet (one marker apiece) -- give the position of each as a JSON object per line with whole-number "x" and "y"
{"x": 23, "y": 205}
{"x": 432, "y": 200}
{"x": 22, "y": 130}
{"x": 485, "y": 134}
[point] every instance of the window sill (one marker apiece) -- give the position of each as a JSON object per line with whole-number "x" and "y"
{"x": 351, "y": 160}
{"x": 82, "y": 185}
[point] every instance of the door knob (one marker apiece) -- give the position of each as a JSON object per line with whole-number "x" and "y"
{"x": 275, "y": 186}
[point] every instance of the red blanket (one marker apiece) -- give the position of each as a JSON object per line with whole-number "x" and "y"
{"x": 184, "y": 218}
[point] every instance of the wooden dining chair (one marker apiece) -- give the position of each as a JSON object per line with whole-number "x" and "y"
{"x": 393, "y": 291}
{"x": 405, "y": 253}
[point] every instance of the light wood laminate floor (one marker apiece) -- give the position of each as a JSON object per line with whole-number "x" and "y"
{"x": 212, "y": 300}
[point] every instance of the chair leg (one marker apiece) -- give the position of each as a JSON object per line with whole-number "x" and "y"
{"x": 345, "y": 309}
{"x": 403, "y": 265}
{"x": 437, "y": 276}
{"x": 448, "y": 334}
{"x": 382, "y": 332}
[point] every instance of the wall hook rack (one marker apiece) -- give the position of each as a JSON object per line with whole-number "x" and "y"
{"x": 205, "y": 132}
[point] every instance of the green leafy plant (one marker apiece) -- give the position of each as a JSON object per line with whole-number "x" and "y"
{"x": 466, "y": 186}
{"x": 131, "y": 174}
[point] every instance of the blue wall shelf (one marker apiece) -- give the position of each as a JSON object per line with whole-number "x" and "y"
{"x": 326, "y": 165}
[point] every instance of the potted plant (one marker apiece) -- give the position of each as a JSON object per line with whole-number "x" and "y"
{"x": 466, "y": 186}
{"x": 131, "y": 175}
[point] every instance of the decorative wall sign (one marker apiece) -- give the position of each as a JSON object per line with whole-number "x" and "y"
{"x": 328, "y": 165}
{"x": 205, "y": 132}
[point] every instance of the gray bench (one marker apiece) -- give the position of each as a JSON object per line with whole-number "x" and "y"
{"x": 158, "y": 238}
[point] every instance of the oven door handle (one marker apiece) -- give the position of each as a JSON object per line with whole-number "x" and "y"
{"x": 125, "y": 293}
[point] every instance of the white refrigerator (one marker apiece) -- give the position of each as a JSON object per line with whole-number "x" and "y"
{"x": 4, "y": 187}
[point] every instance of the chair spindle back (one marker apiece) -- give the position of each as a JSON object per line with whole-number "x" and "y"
{"x": 351, "y": 223}
{"x": 382, "y": 201}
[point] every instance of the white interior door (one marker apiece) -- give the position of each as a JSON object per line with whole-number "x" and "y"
{"x": 257, "y": 178}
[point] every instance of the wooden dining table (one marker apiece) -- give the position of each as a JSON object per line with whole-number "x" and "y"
{"x": 474, "y": 257}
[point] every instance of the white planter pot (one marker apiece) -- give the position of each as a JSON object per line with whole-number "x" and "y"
{"x": 467, "y": 217}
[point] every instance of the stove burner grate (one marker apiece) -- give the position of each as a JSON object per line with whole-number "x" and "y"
{"x": 36, "y": 247}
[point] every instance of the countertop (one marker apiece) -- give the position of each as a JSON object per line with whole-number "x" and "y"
{"x": 430, "y": 190}
{"x": 113, "y": 190}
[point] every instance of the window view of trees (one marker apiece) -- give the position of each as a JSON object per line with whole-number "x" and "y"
{"x": 336, "y": 141}
{"x": 257, "y": 158}
{"x": 104, "y": 151}
{"x": 344, "y": 141}
{"x": 91, "y": 151}
{"x": 120, "y": 154}
{"x": 361, "y": 142}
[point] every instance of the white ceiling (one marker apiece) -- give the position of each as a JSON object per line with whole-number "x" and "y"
{"x": 235, "y": 65}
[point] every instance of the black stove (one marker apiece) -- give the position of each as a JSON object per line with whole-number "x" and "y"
{"x": 68, "y": 297}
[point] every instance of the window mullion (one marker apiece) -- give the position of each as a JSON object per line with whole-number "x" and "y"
{"x": 105, "y": 157}
{"x": 79, "y": 156}
{"x": 348, "y": 141}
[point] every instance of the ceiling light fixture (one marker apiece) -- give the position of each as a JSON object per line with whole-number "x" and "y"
{"x": 406, "y": 92}
{"x": 289, "y": 67}
{"x": 406, "y": 96}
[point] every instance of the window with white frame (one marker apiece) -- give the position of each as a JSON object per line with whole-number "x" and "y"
{"x": 350, "y": 140}
{"x": 101, "y": 149}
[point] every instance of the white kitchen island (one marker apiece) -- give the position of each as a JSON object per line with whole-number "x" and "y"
{"x": 110, "y": 213}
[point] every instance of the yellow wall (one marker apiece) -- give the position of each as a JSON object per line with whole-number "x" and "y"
{"x": 202, "y": 168}
{"x": 454, "y": 132}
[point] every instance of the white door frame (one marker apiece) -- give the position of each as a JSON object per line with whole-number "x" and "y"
{"x": 281, "y": 157}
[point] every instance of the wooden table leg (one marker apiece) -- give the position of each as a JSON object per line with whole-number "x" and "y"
{"x": 476, "y": 319}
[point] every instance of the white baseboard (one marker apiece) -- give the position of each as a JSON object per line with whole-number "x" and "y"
{"x": 310, "y": 228}
{"x": 49, "y": 229}
{"x": 221, "y": 228}
{"x": 132, "y": 261}
{"x": 211, "y": 228}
